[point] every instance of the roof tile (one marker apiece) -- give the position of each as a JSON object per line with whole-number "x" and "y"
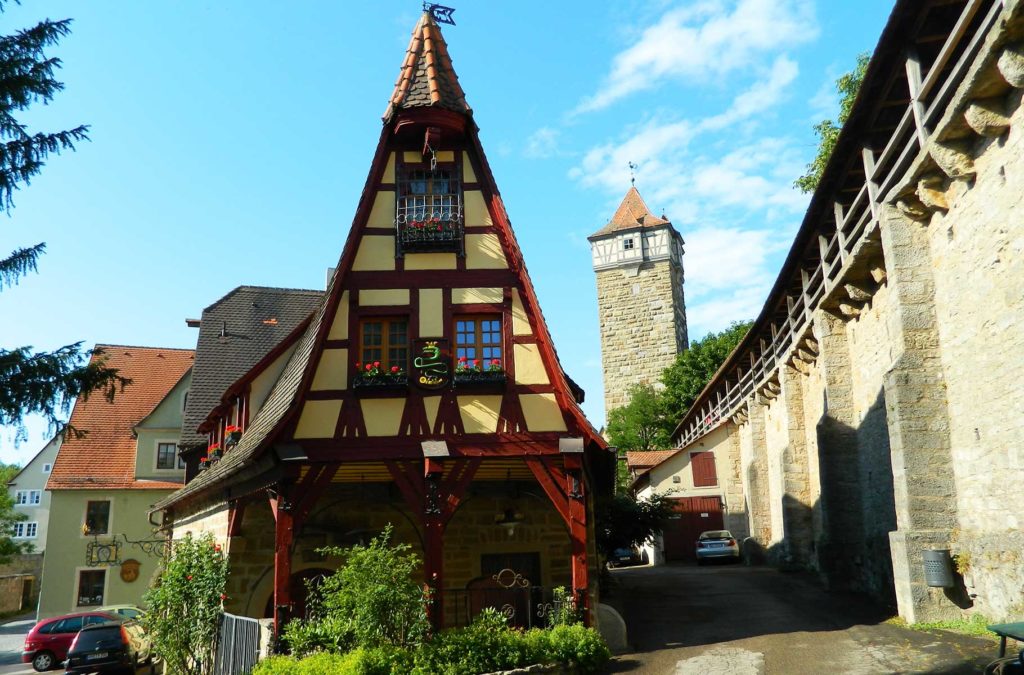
{"x": 105, "y": 456}
{"x": 631, "y": 214}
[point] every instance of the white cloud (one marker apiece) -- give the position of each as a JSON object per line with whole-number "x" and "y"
{"x": 542, "y": 143}
{"x": 709, "y": 39}
{"x": 761, "y": 96}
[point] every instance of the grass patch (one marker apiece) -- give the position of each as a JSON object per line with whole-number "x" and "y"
{"x": 974, "y": 625}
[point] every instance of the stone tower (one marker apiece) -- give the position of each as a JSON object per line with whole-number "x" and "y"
{"x": 638, "y": 260}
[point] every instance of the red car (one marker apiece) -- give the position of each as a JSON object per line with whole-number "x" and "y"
{"x": 47, "y": 644}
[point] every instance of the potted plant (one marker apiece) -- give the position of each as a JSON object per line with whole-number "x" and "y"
{"x": 213, "y": 452}
{"x": 375, "y": 376}
{"x": 232, "y": 434}
{"x": 476, "y": 373}
{"x": 204, "y": 463}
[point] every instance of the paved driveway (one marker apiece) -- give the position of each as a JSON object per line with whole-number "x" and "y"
{"x": 738, "y": 620}
{"x": 12, "y": 639}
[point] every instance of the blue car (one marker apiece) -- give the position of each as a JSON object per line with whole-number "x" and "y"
{"x": 717, "y": 544}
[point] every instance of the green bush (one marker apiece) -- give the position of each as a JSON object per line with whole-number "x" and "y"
{"x": 359, "y": 661}
{"x": 372, "y": 600}
{"x": 486, "y": 645}
{"x": 578, "y": 647}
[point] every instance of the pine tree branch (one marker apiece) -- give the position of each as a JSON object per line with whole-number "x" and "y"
{"x": 19, "y": 263}
{"x": 46, "y": 383}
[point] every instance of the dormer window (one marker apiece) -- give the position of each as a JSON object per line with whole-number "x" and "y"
{"x": 428, "y": 215}
{"x": 627, "y": 244}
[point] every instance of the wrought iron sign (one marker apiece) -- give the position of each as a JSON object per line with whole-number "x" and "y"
{"x": 431, "y": 367}
{"x": 108, "y": 553}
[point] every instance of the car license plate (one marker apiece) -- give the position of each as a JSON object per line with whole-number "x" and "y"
{"x": 98, "y": 655}
{"x": 718, "y": 546}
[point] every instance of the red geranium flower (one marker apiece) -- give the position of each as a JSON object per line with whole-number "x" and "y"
{"x": 462, "y": 359}
{"x": 394, "y": 369}
{"x": 369, "y": 366}
{"x": 495, "y": 362}
{"x": 359, "y": 364}
{"x": 376, "y": 364}
{"x": 476, "y": 362}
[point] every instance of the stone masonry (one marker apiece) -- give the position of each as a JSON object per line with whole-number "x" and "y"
{"x": 643, "y": 326}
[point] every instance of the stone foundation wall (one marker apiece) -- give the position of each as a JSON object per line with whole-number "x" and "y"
{"x": 643, "y": 326}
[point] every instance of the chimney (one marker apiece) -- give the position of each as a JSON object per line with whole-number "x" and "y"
{"x": 330, "y": 273}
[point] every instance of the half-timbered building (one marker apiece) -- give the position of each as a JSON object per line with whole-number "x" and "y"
{"x": 424, "y": 392}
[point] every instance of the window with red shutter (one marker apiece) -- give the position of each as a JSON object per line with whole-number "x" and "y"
{"x": 703, "y": 465}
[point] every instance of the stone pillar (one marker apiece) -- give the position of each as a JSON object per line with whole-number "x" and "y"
{"x": 727, "y": 457}
{"x": 754, "y": 464}
{"x": 918, "y": 419}
{"x": 797, "y": 508}
{"x": 841, "y": 539}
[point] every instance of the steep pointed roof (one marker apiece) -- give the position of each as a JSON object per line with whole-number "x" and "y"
{"x": 631, "y": 214}
{"x": 427, "y": 78}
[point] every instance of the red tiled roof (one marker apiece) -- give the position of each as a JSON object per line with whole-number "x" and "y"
{"x": 105, "y": 456}
{"x": 427, "y": 78}
{"x": 631, "y": 214}
{"x": 647, "y": 459}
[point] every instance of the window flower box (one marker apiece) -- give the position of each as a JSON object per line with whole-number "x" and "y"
{"x": 374, "y": 377}
{"x": 475, "y": 375}
{"x": 430, "y": 235}
{"x": 204, "y": 463}
{"x": 232, "y": 434}
{"x": 214, "y": 452}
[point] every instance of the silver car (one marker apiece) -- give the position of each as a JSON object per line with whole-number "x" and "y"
{"x": 717, "y": 544}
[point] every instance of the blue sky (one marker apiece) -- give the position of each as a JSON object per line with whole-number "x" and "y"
{"x": 230, "y": 142}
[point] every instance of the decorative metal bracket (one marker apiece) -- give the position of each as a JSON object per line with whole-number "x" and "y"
{"x": 108, "y": 553}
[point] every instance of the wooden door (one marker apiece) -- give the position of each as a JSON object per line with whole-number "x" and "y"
{"x": 692, "y": 515}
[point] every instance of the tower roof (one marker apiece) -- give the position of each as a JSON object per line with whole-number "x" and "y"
{"x": 427, "y": 78}
{"x": 631, "y": 214}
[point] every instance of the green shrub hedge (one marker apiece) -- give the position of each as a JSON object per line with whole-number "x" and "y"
{"x": 485, "y": 646}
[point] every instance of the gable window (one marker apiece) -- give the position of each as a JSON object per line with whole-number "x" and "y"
{"x": 90, "y": 587}
{"x": 165, "y": 455}
{"x": 703, "y": 465}
{"x": 478, "y": 339}
{"x": 97, "y": 517}
{"x": 27, "y": 497}
{"x": 627, "y": 244}
{"x": 384, "y": 341}
{"x": 428, "y": 213}
{"x": 25, "y": 530}
{"x": 47, "y": 467}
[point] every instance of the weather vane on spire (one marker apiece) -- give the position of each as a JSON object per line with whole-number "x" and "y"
{"x": 440, "y": 13}
{"x": 632, "y": 176}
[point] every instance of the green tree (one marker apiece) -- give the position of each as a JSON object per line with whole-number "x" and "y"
{"x": 9, "y": 516}
{"x": 37, "y": 381}
{"x": 641, "y": 424}
{"x": 694, "y": 368}
{"x": 185, "y": 604}
{"x": 827, "y": 131}
{"x": 624, "y": 522}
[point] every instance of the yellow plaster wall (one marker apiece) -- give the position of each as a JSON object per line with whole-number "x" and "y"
{"x": 430, "y": 261}
{"x": 432, "y": 404}
{"x": 475, "y": 209}
{"x": 483, "y": 251}
{"x": 318, "y": 419}
{"x": 431, "y": 312}
{"x": 383, "y": 212}
{"x": 389, "y": 169}
{"x": 375, "y": 253}
{"x": 446, "y": 155}
{"x": 339, "y": 329}
{"x": 529, "y": 366}
{"x": 468, "y": 175}
{"x": 466, "y": 296}
{"x": 332, "y": 371}
{"x": 520, "y": 322}
{"x": 384, "y": 297}
{"x": 480, "y": 413}
{"x": 412, "y": 157}
{"x": 382, "y": 416}
{"x": 542, "y": 412}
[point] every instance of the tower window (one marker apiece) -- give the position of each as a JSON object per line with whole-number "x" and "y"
{"x": 627, "y": 244}
{"x": 428, "y": 214}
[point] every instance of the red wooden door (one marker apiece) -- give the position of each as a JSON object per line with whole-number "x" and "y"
{"x": 692, "y": 516}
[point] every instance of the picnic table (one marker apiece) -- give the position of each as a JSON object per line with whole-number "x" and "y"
{"x": 1007, "y": 630}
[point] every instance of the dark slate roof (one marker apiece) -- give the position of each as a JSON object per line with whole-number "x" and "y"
{"x": 236, "y": 332}
{"x": 427, "y": 78}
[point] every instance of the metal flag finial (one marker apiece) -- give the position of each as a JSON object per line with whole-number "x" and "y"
{"x": 632, "y": 175}
{"x": 440, "y": 13}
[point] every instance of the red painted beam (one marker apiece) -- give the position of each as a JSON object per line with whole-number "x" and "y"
{"x": 283, "y": 539}
{"x": 552, "y": 489}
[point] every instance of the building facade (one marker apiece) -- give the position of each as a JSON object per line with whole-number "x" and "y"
{"x": 872, "y": 411}
{"x": 638, "y": 260}
{"x": 423, "y": 392}
{"x": 28, "y": 491}
{"x": 102, "y": 549}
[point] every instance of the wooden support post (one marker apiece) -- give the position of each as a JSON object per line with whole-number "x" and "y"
{"x": 914, "y": 84}
{"x": 283, "y": 539}
{"x": 433, "y": 526}
{"x": 575, "y": 490}
{"x": 869, "y": 174}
